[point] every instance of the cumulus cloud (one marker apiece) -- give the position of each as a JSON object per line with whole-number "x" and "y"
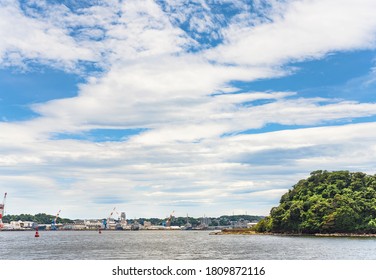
{"x": 27, "y": 38}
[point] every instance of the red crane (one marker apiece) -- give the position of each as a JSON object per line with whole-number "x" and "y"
{"x": 53, "y": 224}
{"x": 168, "y": 223}
{"x": 2, "y": 207}
{"x": 109, "y": 217}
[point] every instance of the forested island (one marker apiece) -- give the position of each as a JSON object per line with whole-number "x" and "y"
{"x": 326, "y": 203}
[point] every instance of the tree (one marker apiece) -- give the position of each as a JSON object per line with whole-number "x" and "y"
{"x": 338, "y": 201}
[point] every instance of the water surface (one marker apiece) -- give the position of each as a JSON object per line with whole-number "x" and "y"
{"x": 179, "y": 245}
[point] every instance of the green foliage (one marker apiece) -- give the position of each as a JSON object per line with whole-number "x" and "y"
{"x": 43, "y": 218}
{"x": 40, "y": 218}
{"x": 326, "y": 202}
{"x": 220, "y": 221}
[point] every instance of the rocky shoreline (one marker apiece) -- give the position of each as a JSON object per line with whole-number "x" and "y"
{"x": 252, "y": 232}
{"x": 346, "y": 234}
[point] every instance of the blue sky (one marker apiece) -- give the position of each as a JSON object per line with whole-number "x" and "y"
{"x": 205, "y": 107}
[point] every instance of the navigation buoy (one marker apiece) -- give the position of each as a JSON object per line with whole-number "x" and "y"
{"x": 36, "y": 233}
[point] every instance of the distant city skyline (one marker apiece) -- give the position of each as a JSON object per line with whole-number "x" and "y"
{"x": 202, "y": 107}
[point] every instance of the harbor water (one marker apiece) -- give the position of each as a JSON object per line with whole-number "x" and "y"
{"x": 179, "y": 245}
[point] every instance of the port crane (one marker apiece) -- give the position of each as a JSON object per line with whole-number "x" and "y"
{"x": 53, "y": 224}
{"x": 106, "y": 222}
{"x": 168, "y": 223}
{"x": 2, "y": 207}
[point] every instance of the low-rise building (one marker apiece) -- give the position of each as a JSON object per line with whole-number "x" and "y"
{"x": 93, "y": 224}
{"x": 147, "y": 224}
{"x": 22, "y": 224}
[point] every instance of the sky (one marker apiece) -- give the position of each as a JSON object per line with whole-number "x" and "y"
{"x": 202, "y": 107}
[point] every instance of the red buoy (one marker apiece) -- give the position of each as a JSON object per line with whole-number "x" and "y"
{"x": 36, "y": 233}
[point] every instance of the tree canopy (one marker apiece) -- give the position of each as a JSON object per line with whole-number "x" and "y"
{"x": 326, "y": 202}
{"x": 40, "y": 218}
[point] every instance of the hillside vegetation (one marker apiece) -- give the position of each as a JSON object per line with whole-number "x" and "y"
{"x": 40, "y": 218}
{"x": 326, "y": 202}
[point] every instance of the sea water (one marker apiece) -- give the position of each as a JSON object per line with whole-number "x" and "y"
{"x": 178, "y": 245}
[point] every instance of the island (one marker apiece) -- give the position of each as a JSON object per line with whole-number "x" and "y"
{"x": 326, "y": 203}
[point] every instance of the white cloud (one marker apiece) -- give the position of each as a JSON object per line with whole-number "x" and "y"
{"x": 210, "y": 170}
{"x": 26, "y": 38}
{"x": 305, "y": 30}
{"x": 148, "y": 94}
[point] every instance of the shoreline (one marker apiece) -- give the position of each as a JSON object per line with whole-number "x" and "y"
{"x": 225, "y": 232}
{"x": 251, "y": 232}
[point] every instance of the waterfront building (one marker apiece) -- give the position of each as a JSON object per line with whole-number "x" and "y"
{"x": 147, "y": 224}
{"x": 93, "y": 224}
{"x": 22, "y": 225}
{"x": 251, "y": 224}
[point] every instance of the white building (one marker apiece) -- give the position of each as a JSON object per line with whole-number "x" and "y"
{"x": 147, "y": 224}
{"x": 22, "y": 224}
{"x": 93, "y": 224}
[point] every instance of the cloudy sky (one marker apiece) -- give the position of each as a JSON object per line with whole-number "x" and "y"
{"x": 205, "y": 107}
